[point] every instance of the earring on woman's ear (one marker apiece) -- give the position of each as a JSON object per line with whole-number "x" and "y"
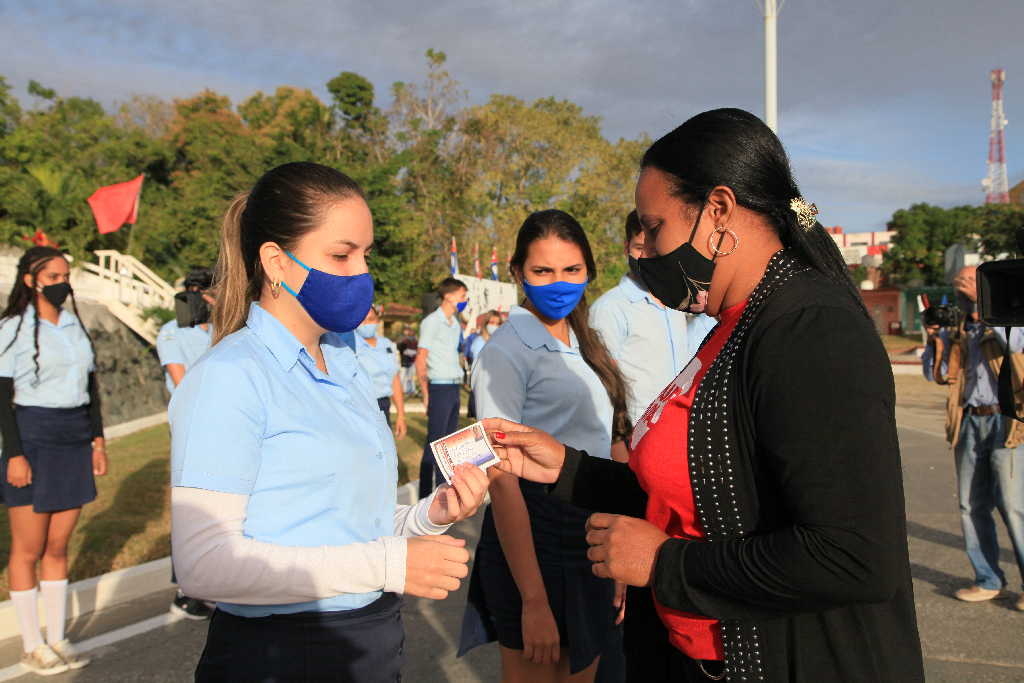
{"x": 715, "y": 246}
{"x": 275, "y": 288}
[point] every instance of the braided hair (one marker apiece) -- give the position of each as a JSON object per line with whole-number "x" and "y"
{"x": 22, "y": 296}
{"x": 734, "y": 148}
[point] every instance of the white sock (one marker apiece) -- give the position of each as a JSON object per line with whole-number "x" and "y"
{"x": 55, "y": 599}
{"x": 27, "y": 610}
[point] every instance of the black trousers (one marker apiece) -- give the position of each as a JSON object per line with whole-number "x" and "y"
{"x": 442, "y": 419}
{"x": 357, "y": 646}
{"x": 650, "y": 657}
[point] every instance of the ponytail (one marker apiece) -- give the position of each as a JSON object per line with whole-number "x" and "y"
{"x": 596, "y": 354}
{"x": 287, "y": 202}
{"x": 232, "y": 290}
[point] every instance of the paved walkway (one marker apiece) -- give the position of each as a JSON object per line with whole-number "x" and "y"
{"x": 979, "y": 643}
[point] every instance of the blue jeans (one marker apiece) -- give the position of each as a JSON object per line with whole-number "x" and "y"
{"x": 989, "y": 477}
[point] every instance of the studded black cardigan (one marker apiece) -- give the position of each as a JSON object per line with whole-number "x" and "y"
{"x": 795, "y": 468}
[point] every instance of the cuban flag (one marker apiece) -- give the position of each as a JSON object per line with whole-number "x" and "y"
{"x": 454, "y": 257}
{"x": 476, "y": 260}
{"x": 494, "y": 263}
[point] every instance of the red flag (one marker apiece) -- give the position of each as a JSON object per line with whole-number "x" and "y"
{"x": 115, "y": 205}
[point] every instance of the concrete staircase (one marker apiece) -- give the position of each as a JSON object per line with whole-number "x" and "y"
{"x": 121, "y": 283}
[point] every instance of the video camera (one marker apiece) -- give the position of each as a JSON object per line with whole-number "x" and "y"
{"x": 1001, "y": 304}
{"x": 190, "y": 308}
{"x": 1001, "y": 290}
{"x": 942, "y": 315}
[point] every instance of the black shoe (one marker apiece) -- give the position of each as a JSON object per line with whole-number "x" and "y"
{"x": 190, "y": 608}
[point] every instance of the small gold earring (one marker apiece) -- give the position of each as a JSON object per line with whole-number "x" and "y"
{"x": 275, "y": 288}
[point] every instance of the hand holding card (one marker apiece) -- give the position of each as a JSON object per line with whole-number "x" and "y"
{"x": 469, "y": 445}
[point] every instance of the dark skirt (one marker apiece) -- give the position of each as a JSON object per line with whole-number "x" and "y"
{"x": 355, "y": 646}
{"x": 58, "y": 445}
{"x": 385, "y": 407}
{"x": 580, "y": 602}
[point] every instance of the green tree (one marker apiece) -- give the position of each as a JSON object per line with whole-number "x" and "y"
{"x": 923, "y": 233}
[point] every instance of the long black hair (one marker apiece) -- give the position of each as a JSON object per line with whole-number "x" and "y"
{"x": 734, "y": 148}
{"x": 287, "y": 202}
{"x": 555, "y": 223}
{"x": 22, "y": 296}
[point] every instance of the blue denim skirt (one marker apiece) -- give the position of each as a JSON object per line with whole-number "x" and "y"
{"x": 58, "y": 445}
{"x": 355, "y": 646}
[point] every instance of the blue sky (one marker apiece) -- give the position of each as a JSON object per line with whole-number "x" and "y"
{"x": 881, "y": 104}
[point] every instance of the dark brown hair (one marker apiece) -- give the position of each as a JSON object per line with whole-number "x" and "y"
{"x": 449, "y": 285}
{"x": 633, "y": 227}
{"x": 285, "y": 204}
{"x": 555, "y": 223}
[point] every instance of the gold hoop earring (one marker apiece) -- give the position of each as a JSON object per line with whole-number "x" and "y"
{"x": 723, "y": 231}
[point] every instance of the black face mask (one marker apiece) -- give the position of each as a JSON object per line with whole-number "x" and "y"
{"x": 191, "y": 309}
{"x": 680, "y": 279}
{"x": 57, "y": 294}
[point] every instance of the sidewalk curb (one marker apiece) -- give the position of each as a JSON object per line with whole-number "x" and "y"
{"x": 132, "y": 426}
{"x": 100, "y": 592}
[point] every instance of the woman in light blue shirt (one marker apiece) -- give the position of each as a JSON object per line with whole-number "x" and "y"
{"x": 532, "y": 589}
{"x": 379, "y": 357}
{"x": 283, "y": 468}
{"x": 53, "y": 446}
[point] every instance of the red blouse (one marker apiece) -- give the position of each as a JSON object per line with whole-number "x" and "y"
{"x": 663, "y": 471}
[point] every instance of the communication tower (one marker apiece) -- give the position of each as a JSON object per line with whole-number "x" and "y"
{"x": 997, "y": 187}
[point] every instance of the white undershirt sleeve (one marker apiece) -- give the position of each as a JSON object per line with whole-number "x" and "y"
{"x": 214, "y": 560}
{"x": 413, "y": 520}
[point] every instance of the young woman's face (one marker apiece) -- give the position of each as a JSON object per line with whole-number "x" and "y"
{"x": 551, "y": 259}
{"x": 55, "y": 272}
{"x": 371, "y": 318}
{"x": 494, "y": 321}
{"x": 667, "y": 220}
{"x": 340, "y": 245}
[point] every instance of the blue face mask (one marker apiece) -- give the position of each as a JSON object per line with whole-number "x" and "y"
{"x": 556, "y": 300}
{"x": 368, "y": 331}
{"x": 461, "y": 306}
{"x": 335, "y": 302}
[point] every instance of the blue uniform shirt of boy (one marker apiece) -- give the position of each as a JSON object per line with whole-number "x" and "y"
{"x": 648, "y": 340}
{"x": 441, "y": 337}
{"x": 380, "y": 363}
{"x": 312, "y": 451}
{"x": 65, "y": 360}
{"x": 182, "y": 345}
{"x": 526, "y": 375}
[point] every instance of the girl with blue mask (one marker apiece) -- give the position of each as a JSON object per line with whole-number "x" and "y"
{"x": 378, "y": 356}
{"x": 531, "y": 589}
{"x": 283, "y": 469}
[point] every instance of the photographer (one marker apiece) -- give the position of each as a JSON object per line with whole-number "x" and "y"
{"x": 988, "y": 446}
{"x": 180, "y": 343}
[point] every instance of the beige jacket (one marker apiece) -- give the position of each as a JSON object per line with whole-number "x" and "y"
{"x": 992, "y": 350}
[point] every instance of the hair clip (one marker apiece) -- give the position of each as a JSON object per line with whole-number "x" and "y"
{"x": 806, "y": 214}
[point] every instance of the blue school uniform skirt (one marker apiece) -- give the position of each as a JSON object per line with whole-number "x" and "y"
{"x": 580, "y": 602}
{"x": 58, "y": 445}
{"x": 355, "y": 646}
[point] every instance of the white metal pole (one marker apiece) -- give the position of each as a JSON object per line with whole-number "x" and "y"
{"x": 771, "y": 103}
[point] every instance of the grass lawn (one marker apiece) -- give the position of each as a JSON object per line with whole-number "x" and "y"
{"x": 130, "y": 521}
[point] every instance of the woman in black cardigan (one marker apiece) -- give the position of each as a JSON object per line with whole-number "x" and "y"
{"x": 768, "y": 471}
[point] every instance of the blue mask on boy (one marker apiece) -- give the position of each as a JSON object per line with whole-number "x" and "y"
{"x": 556, "y": 300}
{"x": 367, "y": 331}
{"x": 335, "y": 302}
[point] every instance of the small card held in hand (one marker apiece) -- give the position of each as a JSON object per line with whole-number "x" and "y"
{"x": 469, "y": 445}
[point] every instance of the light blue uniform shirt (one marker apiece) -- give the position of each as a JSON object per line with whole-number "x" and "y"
{"x": 255, "y": 416}
{"x": 440, "y": 336}
{"x": 526, "y": 375}
{"x": 380, "y": 363}
{"x": 981, "y": 388}
{"x": 65, "y": 360}
{"x": 182, "y": 345}
{"x": 648, "y": 340}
